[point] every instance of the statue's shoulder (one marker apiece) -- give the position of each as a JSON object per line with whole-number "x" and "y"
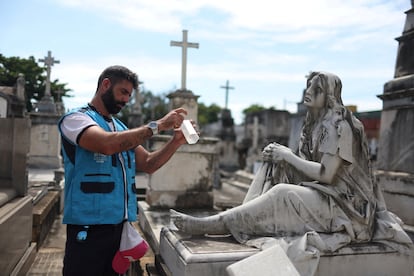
{"x": 337, "y": 139}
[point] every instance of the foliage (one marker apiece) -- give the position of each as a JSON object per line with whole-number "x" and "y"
{"x": 208, "y": 114}
{"x": 35, "y": 77}
{"x": 253, "y": 108}
{"x": 153, "y": 106}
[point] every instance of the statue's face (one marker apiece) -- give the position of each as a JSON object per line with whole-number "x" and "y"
{"x": 314, "y": 95}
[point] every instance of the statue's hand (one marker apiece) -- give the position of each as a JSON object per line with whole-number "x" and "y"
{"x": 280, "y": 153}
{"x": 267, "y": 153}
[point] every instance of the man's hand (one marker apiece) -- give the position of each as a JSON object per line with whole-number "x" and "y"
{"x": 179, "y": 136}
{"x": 172, "y": 120}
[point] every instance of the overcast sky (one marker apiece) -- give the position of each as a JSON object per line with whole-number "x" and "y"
{"x": 263, "y": 47}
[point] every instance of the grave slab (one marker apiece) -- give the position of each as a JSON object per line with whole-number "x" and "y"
{"x": 185, "y": 255}
{"x": 271, "y": 261}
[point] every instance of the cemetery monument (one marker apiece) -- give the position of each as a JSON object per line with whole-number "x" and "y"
{"x": 197, "y": 164}
{"x": 17, "y": 250}
{"x": 322, "y": 206}
{"x": 396, "y": 146}
{"x": 45, "y": 139}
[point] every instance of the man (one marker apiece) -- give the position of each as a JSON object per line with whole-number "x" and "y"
{"x": 100, "y": 159}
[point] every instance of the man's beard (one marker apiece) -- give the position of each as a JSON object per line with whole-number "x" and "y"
{"x": 111, "y": 105}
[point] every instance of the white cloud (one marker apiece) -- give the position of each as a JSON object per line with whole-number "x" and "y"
{"x": 259, "y": 15}
{"x": 273, "y": 42}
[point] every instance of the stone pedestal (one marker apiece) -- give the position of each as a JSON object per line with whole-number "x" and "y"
{"x": 186, "y": 180}
{"x": 398, "y": 191}
{"x": 44, "y": 142}
{"x": 16, "y": 250}
{"x": 185, "y": 99}
{"x": 14, "y": 146}
{"x": 206, "y": 256}
{"x": 396, "y": 147}
{"x": 44, "y": 214}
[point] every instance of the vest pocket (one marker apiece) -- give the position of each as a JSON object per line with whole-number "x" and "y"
{"x": 97, "y": 187}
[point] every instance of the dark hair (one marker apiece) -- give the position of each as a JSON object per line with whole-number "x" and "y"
{"x": 116, "y": 73}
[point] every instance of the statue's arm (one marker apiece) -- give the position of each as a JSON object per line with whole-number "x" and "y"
{"x": 323, "y": 172}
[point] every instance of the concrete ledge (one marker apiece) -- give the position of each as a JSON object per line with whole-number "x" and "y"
{"x": 398, "y": 190}
{"x": 44, "y": 214}
{"x": 151, "y": 220}
{"x": 15, "y": 232}
{"x": 23, "y": 266}
{"x": 205, "y": 256}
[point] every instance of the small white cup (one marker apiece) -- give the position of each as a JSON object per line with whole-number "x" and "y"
{"x": 189, "y": 132}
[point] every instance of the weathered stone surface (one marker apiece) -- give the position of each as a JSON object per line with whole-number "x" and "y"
{"x": 186, "y": 255}
{"x": 187, "y": 179}
{"x": 270, "y": 262}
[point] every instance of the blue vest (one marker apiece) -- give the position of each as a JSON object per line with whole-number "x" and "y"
{"x": 98, "y": 188}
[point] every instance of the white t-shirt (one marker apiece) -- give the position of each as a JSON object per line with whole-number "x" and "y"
{"x": 75, "y": 123}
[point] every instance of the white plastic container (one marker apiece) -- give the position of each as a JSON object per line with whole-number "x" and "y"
{"x": 189, "y": 132}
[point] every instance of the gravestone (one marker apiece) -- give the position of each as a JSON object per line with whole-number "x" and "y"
{"x": 44, "y": 159}
{"x": 296, "y": 124}
{"x": 44, "y": 136}
{"x": 263, "y": 127}
{"x": 13, "y": 99}
{"x": 396, "y": 148}
{"x": 186, "y": 180}
{"x": 183, "y": 97}
{"x": 228, "y": 154}
{"x": 60, "y": 107}
{"x": 17, "y": 252}
{"x": 191, "y": 188}
{"x": 228, "y": 149}
{"x": 186, "y": 255}
{"x": 225, "y": 130}
{"x": 135, "y": 115}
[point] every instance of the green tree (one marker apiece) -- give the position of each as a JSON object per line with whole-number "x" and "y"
{"x": 208, "y": 114}
{"x": 253, "y": 108}
{"x": 152, "y": 106}
{"x": 35, "y": 77}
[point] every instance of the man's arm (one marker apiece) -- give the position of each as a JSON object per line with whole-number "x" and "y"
{"x": 149, "y": 162}
{"x": 95, "y": 139}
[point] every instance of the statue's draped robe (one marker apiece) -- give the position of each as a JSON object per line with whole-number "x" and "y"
{"x": 309, "y": 217}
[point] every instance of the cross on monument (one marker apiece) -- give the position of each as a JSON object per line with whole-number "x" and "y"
{"x": 227, "y": 87}
{"x": 59, "y": 94}
{"x": 49, "y": 62}
{"x": 184, "y": 45}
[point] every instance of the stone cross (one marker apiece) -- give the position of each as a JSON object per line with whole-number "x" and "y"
{"x": 136, "y": 107}
{"x": 227, "y": 87}
{"x": 184, "y": 45}
{"x": 60, "y": 107}
{"x": 59, "y": 94}
{"x": 49, "y": 62}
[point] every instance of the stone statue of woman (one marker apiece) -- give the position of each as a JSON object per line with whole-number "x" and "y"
{"x": 326, "y": 190}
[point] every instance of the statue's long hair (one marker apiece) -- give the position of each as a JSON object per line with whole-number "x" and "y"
{"x": 332, "y": 89}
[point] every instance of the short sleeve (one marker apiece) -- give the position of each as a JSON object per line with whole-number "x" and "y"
{"x": 74, "y": 124}
{"x": 345, "y": 141}
{"x": 337, "y": 140}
